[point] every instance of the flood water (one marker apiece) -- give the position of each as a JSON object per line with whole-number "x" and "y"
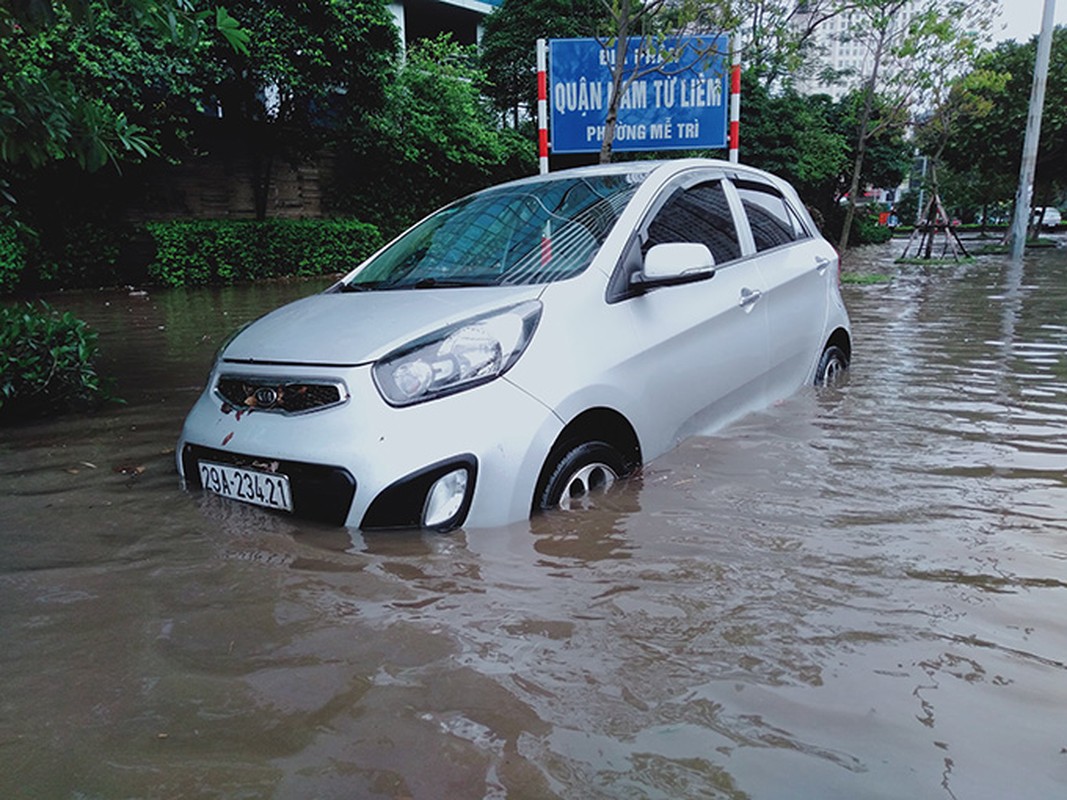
{"x": 858, "y": 593}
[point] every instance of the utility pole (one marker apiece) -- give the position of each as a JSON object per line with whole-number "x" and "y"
{"x": 922, "y": 188}
{"x": 1028, "y": 167}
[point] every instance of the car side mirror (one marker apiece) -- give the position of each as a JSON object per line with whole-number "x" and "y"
{"x": 675, "y": 263}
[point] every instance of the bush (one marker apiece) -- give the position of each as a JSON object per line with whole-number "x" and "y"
{"x": 80, "y": 254}
{"x": 866, "y": 230}
{"x": 198, "y": 252}
{"x": 12, "y": 256}
{"x": 46, "y": 362}
{"x": 434, "y": 139}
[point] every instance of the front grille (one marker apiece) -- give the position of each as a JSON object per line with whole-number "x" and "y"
{"x": 272, "y": 394}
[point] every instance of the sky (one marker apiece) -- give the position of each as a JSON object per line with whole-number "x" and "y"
{"x": 1021, "y": 19}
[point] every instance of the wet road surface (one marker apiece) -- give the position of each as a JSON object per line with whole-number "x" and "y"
{"x": 858, "y": 593}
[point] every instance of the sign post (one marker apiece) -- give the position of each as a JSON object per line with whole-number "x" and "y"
{"x": 735, "y": 98}
{"x": 542, "y": 108}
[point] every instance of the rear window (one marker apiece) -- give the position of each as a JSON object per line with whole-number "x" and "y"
{"x": 772, "y": 221}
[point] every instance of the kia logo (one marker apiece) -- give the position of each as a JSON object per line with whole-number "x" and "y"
{"x": 266, "y": 396}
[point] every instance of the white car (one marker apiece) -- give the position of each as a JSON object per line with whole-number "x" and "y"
{"x": 1050, "y": 216}
{"x": 524, "y": 347}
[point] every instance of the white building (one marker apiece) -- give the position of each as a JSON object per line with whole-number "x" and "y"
{"x": 425, "y": 19}
{"x": 842, "y": 52}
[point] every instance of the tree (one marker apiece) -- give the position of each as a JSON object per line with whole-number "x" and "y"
{"x": 181, "y": 21}
{"x": 796, "y": 137}
{"x": 779, "y": 36}
{"x": 508, "y": 48}
{"x": 988, "y": 145}
{"x": 907, "y": 55}
{"x": 67, "y": 95}
{"x": 434, "y": 139}
{"x": 310, "y": 67}
{"x": 966, "y": 94}
{"x": 89, "y": 84}
{"x": 810, "y": 140}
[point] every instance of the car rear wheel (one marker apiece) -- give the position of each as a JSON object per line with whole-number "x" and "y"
{"x": 832, "y": 365}
{"x": 584, "y": 470}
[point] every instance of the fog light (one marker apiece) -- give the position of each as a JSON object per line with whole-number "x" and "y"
{"x": 445, "y": 498}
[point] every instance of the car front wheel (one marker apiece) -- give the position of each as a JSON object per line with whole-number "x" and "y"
{"x": 832, "y": 365}
{"x": 582, "y": 471}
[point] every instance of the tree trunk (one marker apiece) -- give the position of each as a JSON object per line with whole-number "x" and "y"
{"x": 857, "y": 169}
{"x": 618, "y": 69}
{"x": 861, "y": 144}
{"x": 262, "y": 167}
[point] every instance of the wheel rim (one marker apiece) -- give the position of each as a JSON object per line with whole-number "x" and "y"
{"x": 834, "y": 367}
{"x": 595, "y": 477}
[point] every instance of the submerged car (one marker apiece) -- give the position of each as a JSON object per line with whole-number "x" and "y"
{"x": 524, "y": 347}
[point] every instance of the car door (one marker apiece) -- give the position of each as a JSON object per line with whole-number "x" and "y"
{"x": 700, "y": 352}
{"x": 797, "y": 268}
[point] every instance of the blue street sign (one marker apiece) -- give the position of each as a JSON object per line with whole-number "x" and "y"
{"x": 679, "y": 98}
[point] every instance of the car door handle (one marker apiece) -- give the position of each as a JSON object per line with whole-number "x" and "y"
{"x": 749, "y": 296}
{"x": 821, "y": 264}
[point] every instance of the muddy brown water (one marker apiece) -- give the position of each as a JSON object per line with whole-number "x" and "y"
{"x": 858, "y": 593}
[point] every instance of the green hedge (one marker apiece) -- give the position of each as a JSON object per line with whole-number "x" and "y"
{"x": 12, "y": 255}
{"x": 47, "y": 362}
{"x": 198, "y": 252}
{"x": 81, "y": 254}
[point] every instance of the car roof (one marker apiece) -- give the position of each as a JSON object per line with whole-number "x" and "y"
{"x": 646, "y": 168}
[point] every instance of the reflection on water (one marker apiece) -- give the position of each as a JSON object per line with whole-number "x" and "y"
{"x": 856, "y": 593}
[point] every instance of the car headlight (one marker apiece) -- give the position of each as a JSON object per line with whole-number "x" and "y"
{"x": 458, "y": 357}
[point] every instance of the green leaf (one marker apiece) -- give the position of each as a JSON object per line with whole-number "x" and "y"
{"x": 232, "y": 31}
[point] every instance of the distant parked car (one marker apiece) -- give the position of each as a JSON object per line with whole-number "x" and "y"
{"x": 1052, "y": 217}
{"x": 524, "y": 347}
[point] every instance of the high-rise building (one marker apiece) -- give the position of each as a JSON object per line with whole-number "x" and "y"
{"x": 842, "y": 52}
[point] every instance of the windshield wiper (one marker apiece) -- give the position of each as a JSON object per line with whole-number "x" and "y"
{"x": 353, "y": 287}
{"x": 446, "y": 283}
{"x": 421, "y": 283}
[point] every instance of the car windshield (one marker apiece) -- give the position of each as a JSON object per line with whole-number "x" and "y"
{"x": 521, "y": 234}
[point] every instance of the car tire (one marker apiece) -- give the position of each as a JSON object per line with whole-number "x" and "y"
{"x": 581, "y": 470}
{"x": 832, "y": 364}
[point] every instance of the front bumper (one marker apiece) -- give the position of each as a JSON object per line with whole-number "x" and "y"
{"x": 366, "y": 464}
{"x": 320, "y": 493}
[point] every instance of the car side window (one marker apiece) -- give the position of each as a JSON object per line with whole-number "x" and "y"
{"x": 772, "y": 221}
{"x": 701, "y": 214}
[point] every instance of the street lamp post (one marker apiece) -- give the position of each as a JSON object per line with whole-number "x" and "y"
{"x": 1033, "y": 135}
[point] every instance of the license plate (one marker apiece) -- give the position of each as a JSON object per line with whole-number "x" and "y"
{"x": 268, "y": 489}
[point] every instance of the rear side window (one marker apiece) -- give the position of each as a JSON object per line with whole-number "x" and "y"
{"x": 772, "y": 221}
{"x": 700, "y": 214}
